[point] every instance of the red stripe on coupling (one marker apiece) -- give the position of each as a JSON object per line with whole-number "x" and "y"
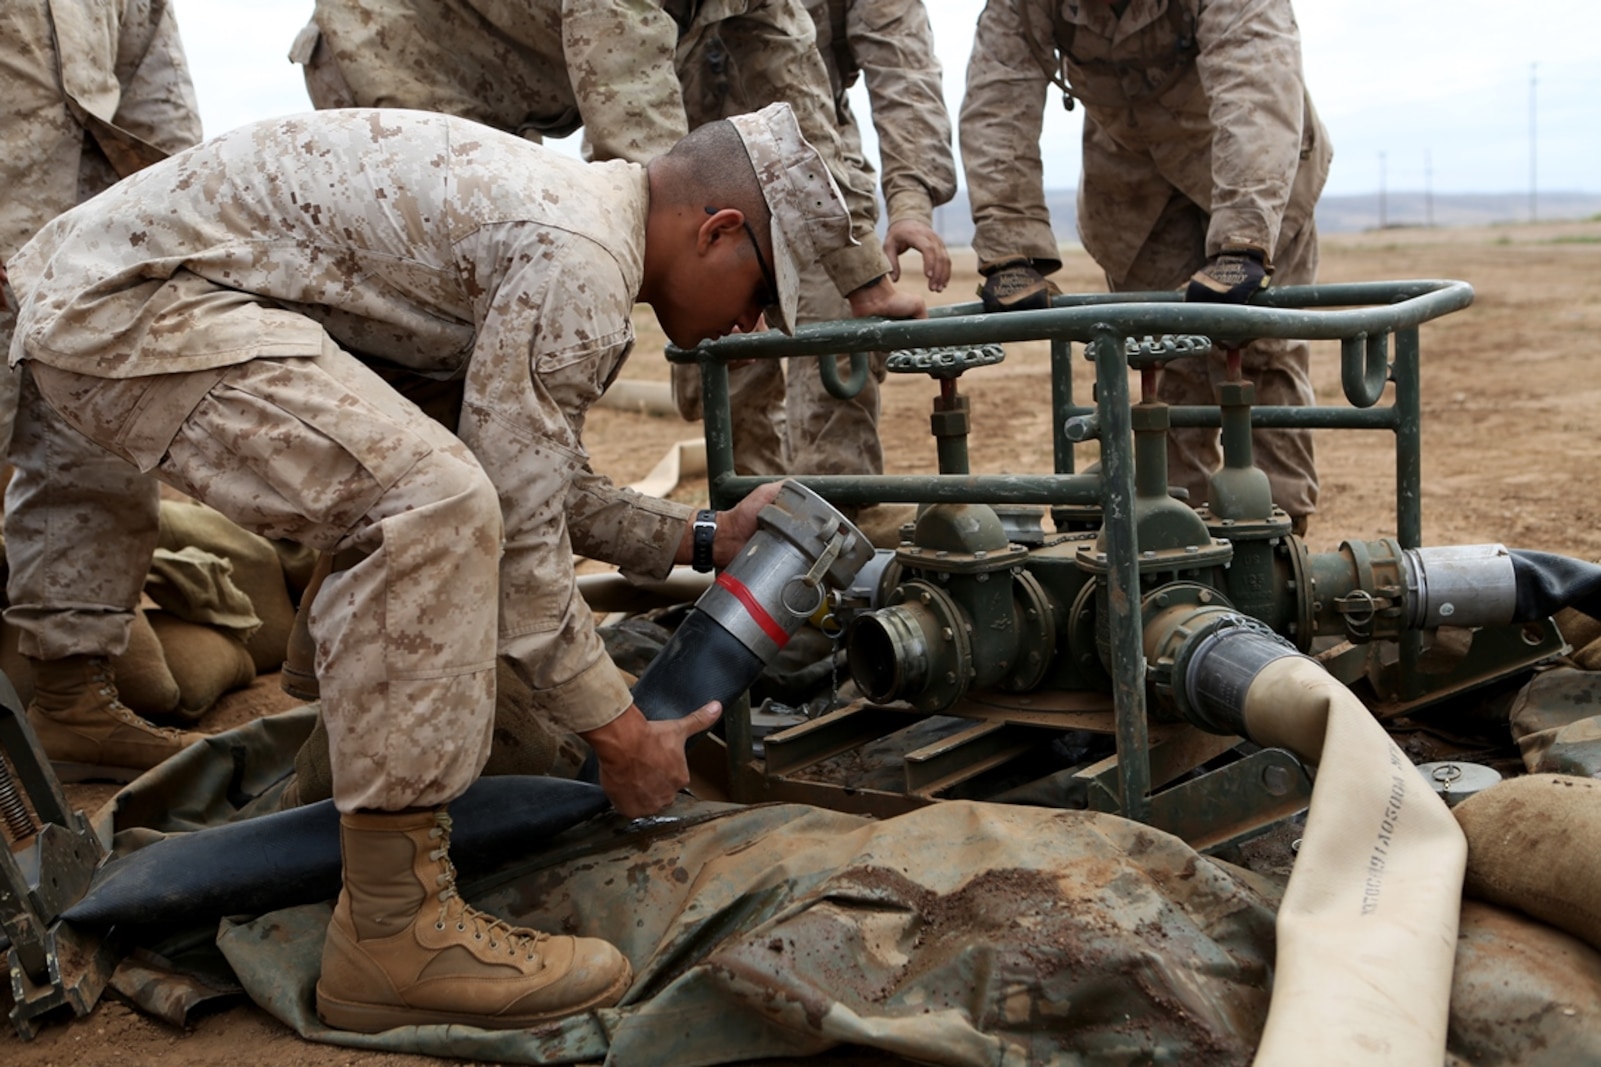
{"x": 754, "y": 608}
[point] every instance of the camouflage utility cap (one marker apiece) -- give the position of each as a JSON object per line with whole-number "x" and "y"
{"x": 810, "y": 219}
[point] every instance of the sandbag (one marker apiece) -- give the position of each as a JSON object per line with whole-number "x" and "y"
{"x": 1581, "y": 631}
{"x": 1523, "y": 994}
{"x": 1556, "y": 721}
{"x": 1532, "y": 847}
{"x": 144, "y": 679}
{"x": 203, "y": 661}
{"x": 198, "y": 585}
{"x": 14, "y": 664}
{"x": 257, "y": 569}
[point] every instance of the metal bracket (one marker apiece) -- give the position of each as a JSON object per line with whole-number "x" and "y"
{"x": 1223, "y": 807}
{"x": 1493, "y": 653}
{"x": 50, "y": 857}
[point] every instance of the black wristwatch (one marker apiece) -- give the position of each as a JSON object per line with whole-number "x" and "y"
{"x": 705, "y": 533}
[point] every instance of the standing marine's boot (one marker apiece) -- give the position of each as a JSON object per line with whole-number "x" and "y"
{"x": 404, "y": 949}
{"x": 88, "y": 732}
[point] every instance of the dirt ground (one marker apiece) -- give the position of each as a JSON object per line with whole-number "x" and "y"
{"x": 1509, "y": 386}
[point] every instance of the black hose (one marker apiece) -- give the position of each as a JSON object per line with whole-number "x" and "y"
{"x": 292, "y": 857}
{"x": 703, "y": 662}
{"x": 1547, "y": 583}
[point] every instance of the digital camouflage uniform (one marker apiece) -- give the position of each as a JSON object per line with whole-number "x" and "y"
{"x": 93, "y": 92}
{"x": 891, "y": 43}
{"x": 548, "y": 67}
{"x": 199, "y": 320}
{"x": 1198, "y": 133}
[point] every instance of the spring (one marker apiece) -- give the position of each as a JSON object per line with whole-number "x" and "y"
{"x": 19, "y": 821}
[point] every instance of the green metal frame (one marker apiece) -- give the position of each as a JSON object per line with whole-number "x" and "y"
{"x": 1363, "y": 316}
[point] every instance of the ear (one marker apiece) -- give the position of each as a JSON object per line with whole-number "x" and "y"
{"x": 726, "y": 224}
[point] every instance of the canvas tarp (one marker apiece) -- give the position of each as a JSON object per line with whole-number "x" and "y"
{"x": 963, "y": 933}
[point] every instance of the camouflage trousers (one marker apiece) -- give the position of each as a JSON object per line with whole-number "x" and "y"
{"x": 316, "y": 450}
{"x": 1175, "y": 249}
{"x": 785, "y": 421}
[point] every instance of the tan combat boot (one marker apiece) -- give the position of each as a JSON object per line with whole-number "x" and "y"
{"x": 404, "y": 949}
{"x": 88, "y": 732}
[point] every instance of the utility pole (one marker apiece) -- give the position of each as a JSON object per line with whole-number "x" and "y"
{"x": 1428, "y": 189}
{"x": 1533, "y": 81}
{"x": 1384, "y": 214}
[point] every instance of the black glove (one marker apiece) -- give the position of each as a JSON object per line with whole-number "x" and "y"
{"x": 1230, "y": 277}
{"x": 1013, "y": 284}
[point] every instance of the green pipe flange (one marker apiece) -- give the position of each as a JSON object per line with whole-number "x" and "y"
{"x": 1174, "y": 615}
{"x": 1036, "y": 638}
{"x": 951, "y": 655}
{"x": 1188, "y": 558}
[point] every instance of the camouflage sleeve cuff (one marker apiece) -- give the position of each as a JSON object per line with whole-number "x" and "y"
{"x": 913, "y": 204}
{"x": 853, "y": 267}
{"x": 1235, "y": 229}
{"x": 589, "y": 700}
{"x": 636, "y": 532}
{"x": 648, "y": 537}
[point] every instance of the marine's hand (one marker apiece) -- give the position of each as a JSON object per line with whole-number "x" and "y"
{"x": 642, "y": 763}
{"x": 737, "y": 526}
{"x": 908, "y": 234}
{"x": 1230, "y": 277}
{"x": 1014, "y": 284}
{"x": 882, "y": 299}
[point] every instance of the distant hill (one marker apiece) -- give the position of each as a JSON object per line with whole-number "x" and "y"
{"x": 1335, "y": 214}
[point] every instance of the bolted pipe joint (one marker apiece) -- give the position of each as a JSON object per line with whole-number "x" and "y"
{"x": 967, "y": 614}
{"x": 936, "y": 641}
{"x": 916, "y": 650}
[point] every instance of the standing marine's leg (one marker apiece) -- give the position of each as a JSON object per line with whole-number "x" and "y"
{"x": 80, "y": 527}
{"x": 1175, "y": 249}
{"x": 756, "y": 406}
{"x": 828, "y": 435}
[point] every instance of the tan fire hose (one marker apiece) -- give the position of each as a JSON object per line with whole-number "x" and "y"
{"x": 1367, "y": 928}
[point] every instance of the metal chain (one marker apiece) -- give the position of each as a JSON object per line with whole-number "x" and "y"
{"x": 1167, "y": 346}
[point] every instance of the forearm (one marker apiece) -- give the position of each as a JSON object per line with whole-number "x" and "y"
{"x": 638, "y": 533}
{"x": 620, "y": 59}
{"x": 893, "y": 46}
{"x": 1000, "y": 123}
{"x": 1250, "y": 69}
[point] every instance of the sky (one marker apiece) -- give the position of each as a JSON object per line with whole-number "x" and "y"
{"x": 1450, "y": 97}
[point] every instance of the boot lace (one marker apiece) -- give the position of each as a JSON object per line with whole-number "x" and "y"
{"x": 106, "y": 682}
{"x": 499, "y": 933}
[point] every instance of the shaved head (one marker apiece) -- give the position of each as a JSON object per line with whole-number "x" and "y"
{"x": 710, "y": 168}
